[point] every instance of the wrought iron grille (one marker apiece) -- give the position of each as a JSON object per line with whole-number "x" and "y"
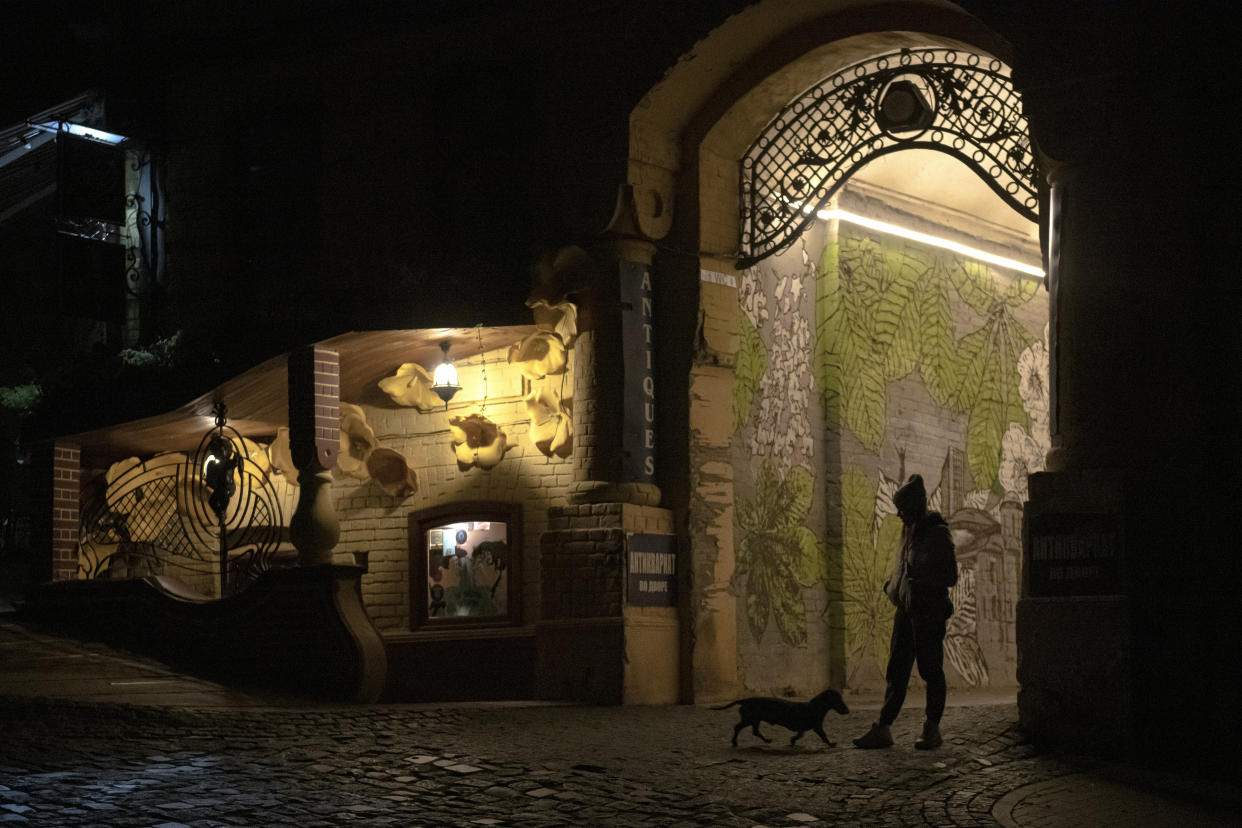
{"x": 154, "y": 517}
{"x": 816, "y": 142}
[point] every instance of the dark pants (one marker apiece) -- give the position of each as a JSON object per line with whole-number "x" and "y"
{"x": 916, "y": 637}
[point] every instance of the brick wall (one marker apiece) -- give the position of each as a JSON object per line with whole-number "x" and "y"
{"x": 66, "y": 493}
{"x": 56, "y": 493}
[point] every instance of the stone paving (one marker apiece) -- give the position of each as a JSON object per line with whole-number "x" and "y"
{"x": 68, "y": 762}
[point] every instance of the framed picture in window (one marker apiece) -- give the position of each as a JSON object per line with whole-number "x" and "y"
{"x": 466, "y": 565}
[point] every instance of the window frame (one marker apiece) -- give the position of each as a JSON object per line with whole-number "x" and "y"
{"x": 434, "y": 517}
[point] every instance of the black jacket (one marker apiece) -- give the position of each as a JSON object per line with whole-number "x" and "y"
{"x": 931, "y": 566}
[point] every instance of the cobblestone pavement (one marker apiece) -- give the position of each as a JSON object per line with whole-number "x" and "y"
{"x": 68, "y": 761}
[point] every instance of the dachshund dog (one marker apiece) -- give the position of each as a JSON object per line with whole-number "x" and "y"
{"x": 796, "y": 716}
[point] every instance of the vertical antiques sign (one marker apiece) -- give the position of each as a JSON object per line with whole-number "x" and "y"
{"x": 651, "y": 571}
{"x": 638, "y": 392}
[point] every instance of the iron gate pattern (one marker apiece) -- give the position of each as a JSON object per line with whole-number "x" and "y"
{"x": 816, "y": 142}
{"x": 153, "y": 517}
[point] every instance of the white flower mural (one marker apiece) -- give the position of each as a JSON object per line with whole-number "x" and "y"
{"x": 1023, "y": 452}
{"x": 783, "y": 429}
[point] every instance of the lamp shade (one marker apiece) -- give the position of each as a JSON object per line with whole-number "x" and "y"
{"x": 444, "y": 378}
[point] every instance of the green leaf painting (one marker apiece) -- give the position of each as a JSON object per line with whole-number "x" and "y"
{"x": 778, "y": 553}
{"x": 867, "y": 560}
{"x": 830, "y": 334}
{"x": 887, "y": 313}
{"x": 751, "y": 363}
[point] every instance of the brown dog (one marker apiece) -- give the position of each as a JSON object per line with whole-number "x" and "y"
{"x": 796, "y": 716}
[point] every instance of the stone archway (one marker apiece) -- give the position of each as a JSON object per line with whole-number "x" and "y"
{"x": 685, "y": 173}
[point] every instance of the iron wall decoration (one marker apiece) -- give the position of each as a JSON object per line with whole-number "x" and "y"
{"x": 169, "y": 515}
{"x": 144, "y": 211}
{"x": 955, "y": 102}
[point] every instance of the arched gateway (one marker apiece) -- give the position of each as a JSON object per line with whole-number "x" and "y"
{"x": 789, "y": 440}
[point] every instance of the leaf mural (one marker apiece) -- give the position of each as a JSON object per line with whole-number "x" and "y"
{"x": 1020, "y": 291}
{"x": 751, "y": 363}
{"x": 974, "y": 284}
{"x": 938, "y": 355}
{"x": 897, "y": 312}
{"x": 888, "y": 313}
{"x": 990, "y": 390}
{"x": 866, "y": 565}
{"x": 829, "y": 333}
{"x": 778, "y": 552}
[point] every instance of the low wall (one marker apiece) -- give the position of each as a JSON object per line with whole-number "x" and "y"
{"x": 301, "y": 630}
{"x": 474, "y": 665}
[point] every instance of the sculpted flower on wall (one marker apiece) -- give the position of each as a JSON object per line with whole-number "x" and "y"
{"x": 541, "y": 354}
{"x": 560, "y": 318}
{"x": 477, "y": 441}
{"x": 281, "y": 457}
{"x": 551, "y": 426}
{"x": 410, "y": 385}
{"x": 357, "y": 442}
{"x": 393, "y": 474}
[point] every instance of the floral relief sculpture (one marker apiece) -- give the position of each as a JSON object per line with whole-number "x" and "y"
{"x": 560, "y": 318}
{"x": 551, "y": 426}
{"x": 357, "y": 442}
{"x": 410, "y": 385}
{"x": 280, "y": 456}
{"x": 546, "y": 351}
{"x": 393, "y": 474}
{"x": 540, "y": 354}
{"x": 477, "y": 441}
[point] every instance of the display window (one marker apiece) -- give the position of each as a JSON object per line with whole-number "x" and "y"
{"x": 465, "y": 564}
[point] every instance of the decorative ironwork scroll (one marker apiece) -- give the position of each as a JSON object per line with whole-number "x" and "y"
{"x": 167, "y": 515}
{"x": 971, "y": 111}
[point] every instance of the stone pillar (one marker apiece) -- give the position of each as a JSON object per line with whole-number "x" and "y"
{"x": 314, "y": 439}
{"x": 597, "y": 642}
{"x": 1123, "y": 622}
{"x": 594, "y": 642}
{"x": 613, "y": 388}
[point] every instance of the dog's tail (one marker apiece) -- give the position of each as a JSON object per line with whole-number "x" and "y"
{"x": 727, "y": 706}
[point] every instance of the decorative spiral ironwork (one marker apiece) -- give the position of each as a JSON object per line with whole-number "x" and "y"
{"x": 142, "y": 256}
{"x": 168, "y": 515}
{"x": 816, "y": 142}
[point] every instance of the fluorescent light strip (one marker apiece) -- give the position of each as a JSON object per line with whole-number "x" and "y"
{"x": 935, "y": 241}
{"x": 81, "y": 131}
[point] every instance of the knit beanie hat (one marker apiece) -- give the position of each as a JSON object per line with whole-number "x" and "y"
{"x": 912, "y": 497}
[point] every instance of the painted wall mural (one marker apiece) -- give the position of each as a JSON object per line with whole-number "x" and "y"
{"x": 863, "y": 358}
